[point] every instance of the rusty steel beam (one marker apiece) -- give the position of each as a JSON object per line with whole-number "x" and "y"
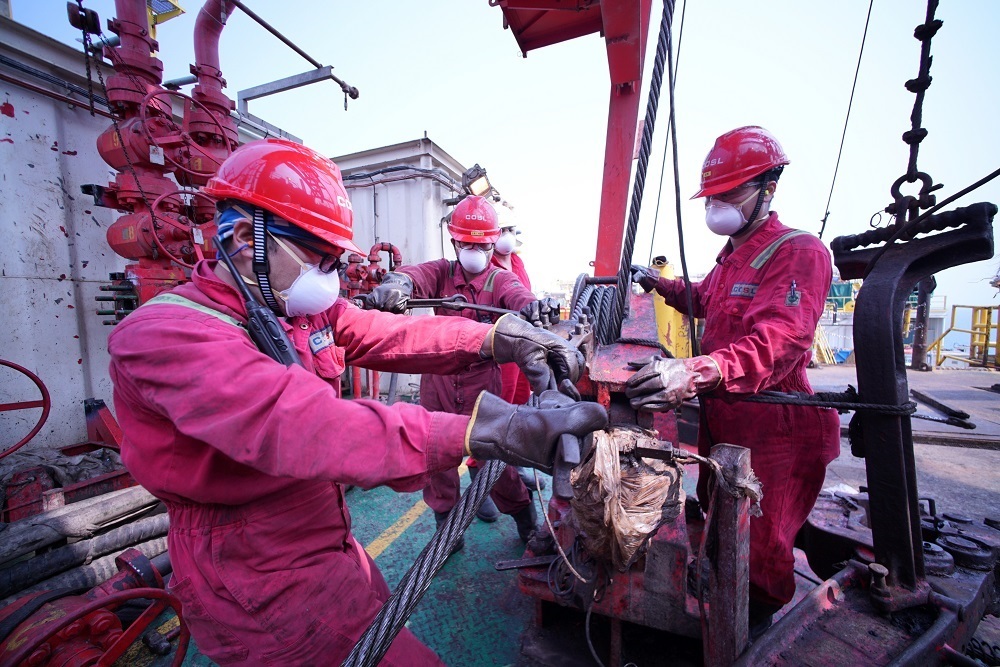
{"x": 729, "y": 558}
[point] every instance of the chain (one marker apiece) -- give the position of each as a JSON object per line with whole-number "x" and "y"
{"x": 903, "y": 205}
{"x": 87, "y": 46}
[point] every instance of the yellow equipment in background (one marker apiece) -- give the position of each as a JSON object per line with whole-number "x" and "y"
{"x": 671, "y": 326}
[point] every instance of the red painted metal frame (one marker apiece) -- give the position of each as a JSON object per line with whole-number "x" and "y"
{"x": 625, "y": 26}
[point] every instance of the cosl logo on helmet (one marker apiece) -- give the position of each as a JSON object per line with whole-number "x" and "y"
{"x": 715, "y": 161}
{"x": 344, "y": 201}
{"x": 475, "y": 216}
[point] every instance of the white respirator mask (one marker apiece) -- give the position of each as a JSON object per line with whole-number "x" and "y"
{"x": 313, "y": 291}
{"x": 506, "y": 243}
{"x": 473, "y": 260}
{"x": 726, "y": 219}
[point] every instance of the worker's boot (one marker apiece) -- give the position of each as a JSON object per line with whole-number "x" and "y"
{"x": 488, "y": 511}
{"x": 527, "y": 522}
{"x": 528, "y": 477}
{"x": 760, "y": 616}
{"x": 439, "y": 518}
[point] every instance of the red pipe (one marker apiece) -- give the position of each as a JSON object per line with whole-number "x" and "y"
{"x": 133, "y": 13}
{"x": 207, "y": 31}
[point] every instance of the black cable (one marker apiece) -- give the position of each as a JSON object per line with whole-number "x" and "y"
{"x": 692, "y": 330}
{"x": 590, "y": 644}
{"x": 850, "y": 102}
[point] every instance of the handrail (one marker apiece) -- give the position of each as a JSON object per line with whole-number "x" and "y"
{"x": 985, "y": 323}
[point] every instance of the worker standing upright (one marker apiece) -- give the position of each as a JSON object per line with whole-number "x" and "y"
{"x": 230, "y": 415}
{"x": 474, "y": 230}
{"x": 515, "y": 388}
{"x": 760, "y": 304}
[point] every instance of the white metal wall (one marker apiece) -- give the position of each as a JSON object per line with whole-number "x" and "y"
{"x": 54, "y": 253}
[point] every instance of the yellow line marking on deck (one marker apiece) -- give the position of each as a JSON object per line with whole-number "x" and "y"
{"x": 389, "y": 535}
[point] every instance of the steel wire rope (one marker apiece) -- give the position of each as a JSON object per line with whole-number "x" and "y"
{"x": 628, "y": 247}
{"x": 375, "y": 641}
{"x": 666, "y": 141}
{"x": 843, "y": 135}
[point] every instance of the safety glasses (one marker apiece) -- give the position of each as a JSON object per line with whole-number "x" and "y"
{"x": 328, "y": 262}
{"x": 463, "y": 245}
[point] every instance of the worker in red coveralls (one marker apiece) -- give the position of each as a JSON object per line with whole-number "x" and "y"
{"x": 760, "y": 304}
{"x": 515, "y": 388}
{"x": 474, "y": 230}
{"x": 249, "y": 454}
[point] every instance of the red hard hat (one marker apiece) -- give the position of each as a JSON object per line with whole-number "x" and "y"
{"x": 293, "y": 182}
{"x": 737, "y": 157}
{"x": 474, "y": 221}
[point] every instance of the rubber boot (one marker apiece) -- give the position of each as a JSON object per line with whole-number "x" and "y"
{"x": 760, "y": 618}
{"x": 527, "y": 522}
{"x": 528, "y": 477}
{"x": 440, "y": 518}
{"x": 488, "y": 511}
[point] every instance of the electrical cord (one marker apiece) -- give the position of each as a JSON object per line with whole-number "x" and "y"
{"x": 590, "y": 644}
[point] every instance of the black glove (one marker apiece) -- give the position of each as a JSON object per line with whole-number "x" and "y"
{"x": 524, "y": 436}
{"x": 545, "y": 359}
{"x": 541, "y": 313}
{"x": 645, "y": 276}
{"x": 392, "y": 295}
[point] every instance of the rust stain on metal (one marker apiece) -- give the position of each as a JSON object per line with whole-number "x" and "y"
{"x": 69, "y": 152}
{"x": 6, "y": 140}
{"x": 7, "y": 109}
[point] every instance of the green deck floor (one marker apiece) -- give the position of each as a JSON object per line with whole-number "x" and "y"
{"x": 472, "y": 614}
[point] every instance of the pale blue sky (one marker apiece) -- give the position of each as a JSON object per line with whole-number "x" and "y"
{"x": 537, "y": 124}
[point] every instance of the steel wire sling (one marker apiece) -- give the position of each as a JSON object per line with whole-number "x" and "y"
{"x": 375, "y": 641}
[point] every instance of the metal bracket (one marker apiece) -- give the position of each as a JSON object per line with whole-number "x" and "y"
{"x": 282, "y": 85}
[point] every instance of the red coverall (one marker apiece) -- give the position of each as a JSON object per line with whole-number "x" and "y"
{"x": 457, "y": 393}
{"x": 759, "y": 328}
{"x": 249, "y": 457}
{"x": 516, "y": 389}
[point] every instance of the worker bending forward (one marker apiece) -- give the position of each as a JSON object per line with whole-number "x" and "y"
{"x": 760, "y": 304}
{"x": 249, "y": 454}
{"x": 474, "y": 230}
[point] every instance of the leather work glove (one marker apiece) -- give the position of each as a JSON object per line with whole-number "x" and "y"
{"x": 645, "y": 276}
{"x": 547, "y": 360}
{"x": 663, "y": 384}
{"x": 392, "y": 295}
{"x": 525, "y": 436}
{"x": 541, "y": 313}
